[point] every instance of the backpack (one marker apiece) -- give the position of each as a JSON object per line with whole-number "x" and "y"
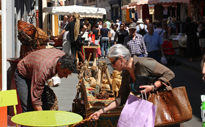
{"x": 142, "y": 31}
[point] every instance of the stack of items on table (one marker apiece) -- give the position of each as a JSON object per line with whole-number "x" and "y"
{"x": 97, "y": 89}
{"x": 31, "y": 37}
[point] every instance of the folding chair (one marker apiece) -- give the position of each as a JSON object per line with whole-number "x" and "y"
{"x": 9, "y": 98}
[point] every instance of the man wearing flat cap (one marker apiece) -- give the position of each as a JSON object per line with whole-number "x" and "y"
{"x": 135, "y": 43}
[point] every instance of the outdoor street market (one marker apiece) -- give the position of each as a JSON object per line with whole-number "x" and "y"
{"x": 110, "y": 63}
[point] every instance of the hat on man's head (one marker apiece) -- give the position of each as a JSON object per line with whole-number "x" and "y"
{"x": 140, "y": 21}
{"x": 132, "y": 26}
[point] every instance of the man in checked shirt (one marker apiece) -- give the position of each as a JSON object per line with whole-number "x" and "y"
{"x": 35, "y": 69}
{"x": 135, "y": 43}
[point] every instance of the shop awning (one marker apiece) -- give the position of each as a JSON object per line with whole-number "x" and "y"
{"x": 141, "y": 2}
{"x": 83, "y": 11}
{"x": 124, "y": 7}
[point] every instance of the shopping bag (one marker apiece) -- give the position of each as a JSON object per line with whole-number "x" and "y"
{"x": 137, "y": 112}
{"x": 163, "y": 60}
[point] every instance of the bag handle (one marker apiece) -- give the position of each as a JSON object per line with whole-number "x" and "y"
{"x": 168, "y": 87}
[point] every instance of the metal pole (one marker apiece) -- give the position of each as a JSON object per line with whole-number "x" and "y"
{"x": 4, "y": 42}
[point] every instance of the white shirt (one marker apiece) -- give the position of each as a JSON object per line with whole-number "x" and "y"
{"x": 143, "y": 26}
{"x": 113, "y": 34}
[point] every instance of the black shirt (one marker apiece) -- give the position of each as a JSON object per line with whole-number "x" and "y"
{"x": 95, "y": 31}
{"x": 70, "y": 27}
{"x": 121, "y": 36}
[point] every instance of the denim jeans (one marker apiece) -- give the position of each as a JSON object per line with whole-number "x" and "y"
{"x": 111, "y": 43}
{"x": 23, "y": 86}
{"x": 104, "y": 46}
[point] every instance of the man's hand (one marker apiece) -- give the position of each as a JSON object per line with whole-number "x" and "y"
{"x": 37, "y": 108}
{"x": 56, "y": 38}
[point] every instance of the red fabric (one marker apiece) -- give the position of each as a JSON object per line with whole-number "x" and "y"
{"x": 168, "y": 44}
{"x": 145, "y": 11}
{"x": 39, "y": 66}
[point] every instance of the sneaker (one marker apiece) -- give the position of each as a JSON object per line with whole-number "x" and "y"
{"x": 106, "y": 57}
{"x": 102, "y": 57}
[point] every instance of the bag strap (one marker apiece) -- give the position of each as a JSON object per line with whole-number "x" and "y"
{"x": 161, "y": 32}
{"x": 168, "y": 87}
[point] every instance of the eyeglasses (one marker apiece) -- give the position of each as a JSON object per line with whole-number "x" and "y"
{"x": 114, "y": 61}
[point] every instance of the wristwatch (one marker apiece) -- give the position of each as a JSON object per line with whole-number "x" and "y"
{"x": 103, "y": 110}
{"x": 155, "y": 88}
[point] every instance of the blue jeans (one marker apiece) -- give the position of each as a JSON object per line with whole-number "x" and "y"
{"x": 23, "y": 86}
{"x": 111, "y": 43}
{"x": 104, "y": 46}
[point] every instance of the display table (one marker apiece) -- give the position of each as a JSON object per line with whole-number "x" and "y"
{"x": 92, "y": 104}
{"x": 46, "y": 118}
{"x": 95, "y": 52}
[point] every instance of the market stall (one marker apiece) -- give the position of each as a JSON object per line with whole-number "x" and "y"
{"x": 97, "y": 89}
{"x": 83, "y": 11}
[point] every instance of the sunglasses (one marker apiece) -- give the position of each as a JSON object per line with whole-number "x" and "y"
{"x": 114, "y": 61}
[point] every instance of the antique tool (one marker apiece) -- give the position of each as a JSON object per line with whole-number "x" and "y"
{"x": 81, "y": 122}
{"x": 116, "y": 82}
{"x": 94, "y": 71}
{"x": 89, "y": 57}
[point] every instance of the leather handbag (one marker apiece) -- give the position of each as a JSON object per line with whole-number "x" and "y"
{"x": 173, "y": 105}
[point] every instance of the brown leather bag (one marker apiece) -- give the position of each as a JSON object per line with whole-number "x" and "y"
{"x": 173, "y": 105}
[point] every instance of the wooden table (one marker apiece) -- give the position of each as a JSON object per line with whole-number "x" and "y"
{"x": 94, "y": 53}
{"x": 46, "y": 118}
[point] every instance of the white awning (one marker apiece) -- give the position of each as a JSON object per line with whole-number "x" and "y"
{"x": 83, "y": 11}
{"x": 141, "y": 2}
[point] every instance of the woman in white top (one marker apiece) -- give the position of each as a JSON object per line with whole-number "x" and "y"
{"x": 160, "y": 31}
{"x": 112, "y": 35}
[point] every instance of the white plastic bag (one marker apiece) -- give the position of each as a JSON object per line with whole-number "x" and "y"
{"x": 163, "y": 60}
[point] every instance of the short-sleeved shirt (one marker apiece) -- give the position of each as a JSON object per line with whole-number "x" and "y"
{"x": 152, "y": 42}
{"x": 104, "y": 32}
{"x": 39, "y": 66}
{"x": 113, "y": 35}
{"x": 145, "y": 66}
{"x": 120, "y": 35}
{"x": 96, "y": 31}
{"x": 108, "y": 24}
{"x": 70, "y": 27}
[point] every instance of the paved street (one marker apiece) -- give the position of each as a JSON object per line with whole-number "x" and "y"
{"x": 185, "y": 76}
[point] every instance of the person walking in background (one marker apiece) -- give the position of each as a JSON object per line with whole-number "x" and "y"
{"x": 171, "y": 28}
{"x": 104, "y": 40}
{"x": 108, "y": 24}
{"x": 64, "y": 22}
{"x": 66, "y": 37}
{"x": 160, "y": 31}
{"x": 74, "y": 27}
{"x": 135, "y": 43}
{"x": 120, "y": 35}
{"x": 141, "y": 28}
{"x": 193, "y": 49}
{"x": 112, "y": 35}
{"x": 96, "y": 32}
{"x": 202, "y": 38}
{"x": 153, "y": 43}
{"x": 118, "y": 24}
{"x": 100, "y": 24}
